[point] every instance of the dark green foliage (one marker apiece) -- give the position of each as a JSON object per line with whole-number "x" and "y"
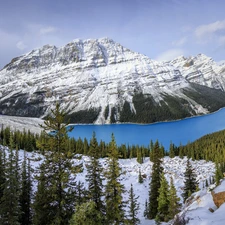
{"x": 149, "y": 111}
{"x": 140, "y": 178}
{"x": 172, "y": 150}
{"x": 206, "y": 183}
{"x": 28, "y": 141}
{"x": 80, "y": 194}
{"x": 174, "y": 205}
{"x": 126, "y": 115}
{"x": 10, "y": 210}
{"x": 218, "y": 173}
{"x": 139, "y": 155}
{"x": 146, "y": 211}
{"x": 83, "y": 116}
{"x": 106, "y": 113}
{"x": 163, "y": 202}
{"x": 21, "y": 140}
{"x": 94, "y": 177}
{"x": 26, "y": 194}
{"x": 2, "y": 172}
{"x": 113, "y": 115}
{"x": 86, "y": 214}
{"x": 18, "y": 105}
{"x": 59, "y": 170}
{"x": 208, "y": 147}
{"x": 114, "y": 189}
{"x": 41, "y": 206}
{"x": 156, "y": 152}
{"x": 133, "y": 208}
{"x": 190, "y": 183}
{"x": 210, "y": 98}
{"x": 155, "y": 181}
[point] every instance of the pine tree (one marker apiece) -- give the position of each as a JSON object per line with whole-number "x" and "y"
{"x": 114, "y": 189}
{"x": 171, "y": 151}
{"x": 59, "y": 169}
{"x": 155, "y": 182}
{"x": 2, "y": 172}
{"x": 139, "y": 156}
{"x": 218, "y": 173}
{"x": 9, "y": 208}
{"x": 151, "y": 146}
{"x": 146, "y": 211}
{"x": 134, "y": 206}
{"x": 43, "y": 212}
{"x": 140, "y": 178}
{"x": 163, "y": 202}
{"x": 94, "y": 176}
{"x": 81, "y": 194}
{"x": 26, "y": 193}
{"x": 206, "y": 183}
{"x": 190, "y": 183}
{"x": 86, "y": 214}
{"x": 174, "y": 205}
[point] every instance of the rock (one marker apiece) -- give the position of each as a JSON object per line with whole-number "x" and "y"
{"x": 218, "y": 198}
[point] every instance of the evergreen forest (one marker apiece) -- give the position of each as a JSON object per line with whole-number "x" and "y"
{"x": 53, "y": 196}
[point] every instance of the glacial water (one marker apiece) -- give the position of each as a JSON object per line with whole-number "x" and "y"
{"x": 179, "y": 132}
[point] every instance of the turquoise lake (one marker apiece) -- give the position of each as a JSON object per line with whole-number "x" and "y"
{"x": 180, "y": 131}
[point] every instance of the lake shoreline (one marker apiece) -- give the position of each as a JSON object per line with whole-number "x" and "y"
{"x": 179, "y": 132}
{"x": 144, "y": 124}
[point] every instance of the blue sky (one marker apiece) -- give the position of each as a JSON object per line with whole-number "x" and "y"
{"x": 160, "y": 29}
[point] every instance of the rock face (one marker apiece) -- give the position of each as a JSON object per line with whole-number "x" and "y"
{"x": 218, "y": 194}
{"x": 201, "y": 70}
{"x": 218, "y": 198}
{"x": 98, "y": 80}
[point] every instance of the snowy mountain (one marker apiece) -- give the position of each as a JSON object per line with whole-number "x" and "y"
{"x": 197, "y": 210}
{"x": 201, "y": 70}
{"x": 100, "y": 81}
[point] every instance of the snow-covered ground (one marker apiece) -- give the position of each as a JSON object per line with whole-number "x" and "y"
{"x": 199, "y": 211}
{"x": 21, "y": 123}
{"x": 175, "y": 167}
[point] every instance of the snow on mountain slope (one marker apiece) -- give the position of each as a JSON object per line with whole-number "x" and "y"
{"x": 174, "y": 167}
{"x": 86, "y": 74}
{"x": 97, "y": 74}
{"x": 201, "y": 69}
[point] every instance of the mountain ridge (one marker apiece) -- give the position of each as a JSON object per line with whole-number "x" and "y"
{"x": 94, "y": 79}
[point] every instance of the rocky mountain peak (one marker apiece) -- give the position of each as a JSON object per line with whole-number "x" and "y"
{"x": 97, "y": 74}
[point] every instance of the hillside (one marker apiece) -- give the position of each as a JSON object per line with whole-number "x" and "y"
{"x": 174, "y": 167}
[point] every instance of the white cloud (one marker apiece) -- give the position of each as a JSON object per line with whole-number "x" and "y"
{"x": 180, "y": 42}
{"x": 208, "y": 30}
{"x": 170, "y": 54}
{"x": 41, "y": 29}
{"x": 20, "y": 45}
{"x": 47, "y": 30}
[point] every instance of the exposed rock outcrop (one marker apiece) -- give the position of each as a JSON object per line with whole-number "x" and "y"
{"x": 218, "y": 198}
